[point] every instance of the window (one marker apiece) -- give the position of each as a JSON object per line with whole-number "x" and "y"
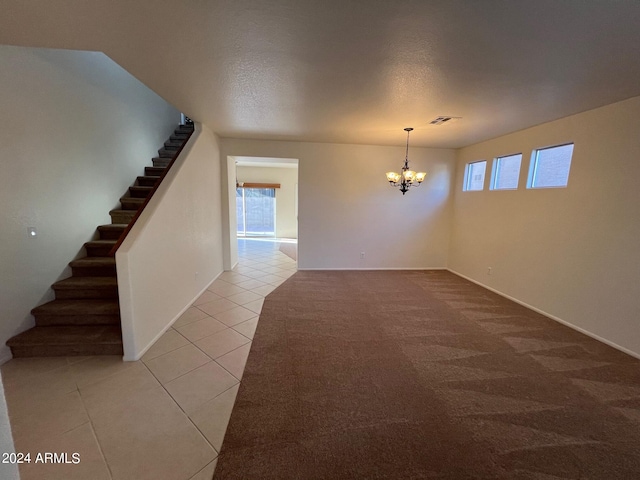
{"x": 256, "y": 211}
{"x": 506, "y": 171}
{"x": 474, "y": 176}
{"x": 550, "y": 167}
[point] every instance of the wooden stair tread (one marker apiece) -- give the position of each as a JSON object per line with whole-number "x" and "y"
{"x": 69, "y": 335}
{"x": 78, "y": 307}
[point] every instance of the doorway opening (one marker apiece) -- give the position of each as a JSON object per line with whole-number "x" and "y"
{"x": 263, "y": 204}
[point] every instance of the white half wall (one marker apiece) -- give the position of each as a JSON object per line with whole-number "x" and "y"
{"x": 174, "y": 251}
{"x": 8, "y": 471}
{"x": 346, "y": 206}
{"x": 574, "y": 252}
{"x": 76, "y": 130}
{"x": 286, "y": 221}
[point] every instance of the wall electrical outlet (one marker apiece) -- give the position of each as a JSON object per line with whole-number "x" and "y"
{"x": 489, "y": 271}
{"x": 361, "y": 255}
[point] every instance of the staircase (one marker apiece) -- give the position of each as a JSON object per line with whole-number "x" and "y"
{"x": 84, "y": 318}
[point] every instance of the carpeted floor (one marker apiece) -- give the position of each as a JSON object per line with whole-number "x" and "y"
{"x": 407, "y": 375}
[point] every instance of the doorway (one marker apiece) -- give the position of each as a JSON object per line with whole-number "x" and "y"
{"x": 263, "y": 203}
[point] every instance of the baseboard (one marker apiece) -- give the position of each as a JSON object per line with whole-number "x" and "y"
{"x": 164, "y": 330}
{"x": 552, "y": 317}
{"x": 5, "y": 354}
{"x": 399, "y": 269}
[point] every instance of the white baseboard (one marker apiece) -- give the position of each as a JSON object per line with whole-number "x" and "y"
{"x": 164, "y": 330}
{"x": 552, "y": 317}
{"x": 372, "y": 268}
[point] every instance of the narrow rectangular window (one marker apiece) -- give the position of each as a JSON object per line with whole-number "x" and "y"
{"x": 474, "y": 176}
{"x": 506, "y": 172}
{"x": 550, "y": 167}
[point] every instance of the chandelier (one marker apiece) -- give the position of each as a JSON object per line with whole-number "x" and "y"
{"x": 408, "y": 178}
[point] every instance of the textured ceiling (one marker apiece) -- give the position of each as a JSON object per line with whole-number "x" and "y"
{"x": 356, "y": 71}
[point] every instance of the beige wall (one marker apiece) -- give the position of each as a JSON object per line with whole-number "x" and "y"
{"x": 286, "y": 222}
{"x": 174, "y": 251}
{"x": 76, "y": 130}
{"x": 572, "y": 252}
{"x": 346, "y": 206}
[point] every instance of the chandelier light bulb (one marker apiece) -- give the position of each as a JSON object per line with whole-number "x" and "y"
{"x": 408, "y": 177}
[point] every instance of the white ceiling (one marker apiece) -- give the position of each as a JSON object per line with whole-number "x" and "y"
{"x": 356, "y": 71}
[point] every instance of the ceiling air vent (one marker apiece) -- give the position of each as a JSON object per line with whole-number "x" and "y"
{"x": 443, "y": 120}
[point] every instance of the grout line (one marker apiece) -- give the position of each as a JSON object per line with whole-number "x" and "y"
{"x": 95, "y": 435}
{"x": 203, "y": 468}
{"x": 226, "y": 370}
{"x": 186, "y": 414}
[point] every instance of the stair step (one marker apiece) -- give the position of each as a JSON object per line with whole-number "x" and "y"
{"x": 164, "y": 153}
{"x": 147, "y": 181}
{"x": 154, "y": 171}
{"x": 185, "y": 128}
{"x": 112, "y": 231}
{"x": 173, "y": 144}
{"x": 138, "y": 191}
{"x": 86, "y": 287}
{"x": 68, "y": 341}
{"x": 94, "y": 267}
{"x": 131, "y": 203}
{"x": 77, "y": 312}
{"x": 99, "y": 248}
{"x": 179, "y": 137}
{"x": 161, "y": 162}
{"x": 122, "y": 216}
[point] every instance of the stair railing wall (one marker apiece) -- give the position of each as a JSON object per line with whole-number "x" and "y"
{"x": 174, "y": 251}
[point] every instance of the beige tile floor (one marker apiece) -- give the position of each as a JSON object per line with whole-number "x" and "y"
{"x": 163, "y": 417}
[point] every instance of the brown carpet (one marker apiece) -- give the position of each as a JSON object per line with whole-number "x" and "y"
{"x": 407, "y": 375}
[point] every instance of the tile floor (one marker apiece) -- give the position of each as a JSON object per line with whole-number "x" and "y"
{"x": 163, "y": 417}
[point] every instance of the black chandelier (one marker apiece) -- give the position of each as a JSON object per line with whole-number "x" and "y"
{"x": 408, "y": 178}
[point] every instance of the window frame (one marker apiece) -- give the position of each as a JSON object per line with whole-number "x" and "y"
{"x": 494, "y": 172}
{"x": 533, "y": 167}
{"x": 466, "y": 181}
